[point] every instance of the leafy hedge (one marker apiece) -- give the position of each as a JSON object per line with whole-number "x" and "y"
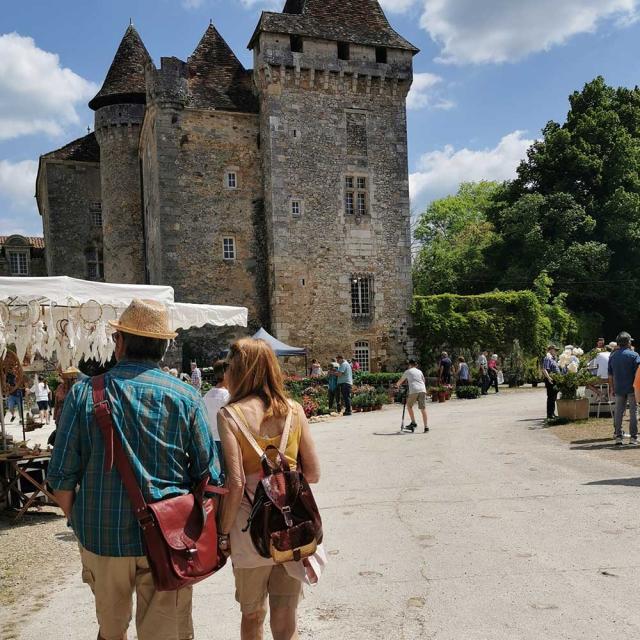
{"x": 469, "y": 392}
{"x": 493, "y": 320}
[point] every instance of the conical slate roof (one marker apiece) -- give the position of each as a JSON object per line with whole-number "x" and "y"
{"x": 217, "y": 79}
{"x": 125, "y": 81}
{"x": 355, "y": 21}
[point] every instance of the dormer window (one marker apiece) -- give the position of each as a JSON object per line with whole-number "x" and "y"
{"x": 19, "y": 263}
{"x": 297, "y": 44}
{"x": 381, "y": 55}
{"x": 344, "y": 51}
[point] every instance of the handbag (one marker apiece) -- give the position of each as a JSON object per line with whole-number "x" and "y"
{"x": 285, "y": 524}
{"x": 180, "y": 534}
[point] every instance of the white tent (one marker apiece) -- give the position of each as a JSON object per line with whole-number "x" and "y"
{"x": 69, "y": 318}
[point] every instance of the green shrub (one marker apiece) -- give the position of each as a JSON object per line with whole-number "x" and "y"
{"x": 468, "y": 392}
{"x": 376, "y": 379}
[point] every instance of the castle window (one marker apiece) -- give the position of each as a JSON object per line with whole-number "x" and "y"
{"x": 344, "y": 50}
{"x": 95, "y": 210}
{"x": 296, "y": 208}
{"x": 361, "y": 296}
{"x": 229, "y": 248}
{"x": 95, "y": 264}
{"x": 381, "y": 55}
{"x": 231, "y": 180}
{"x": 19, "y": 263}
{"x": 356, "y": 196}
{"x": 361, "y": 353}
{"x": 297, "y": 44}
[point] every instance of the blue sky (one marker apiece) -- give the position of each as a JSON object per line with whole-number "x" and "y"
{"x": 490, "y": 75}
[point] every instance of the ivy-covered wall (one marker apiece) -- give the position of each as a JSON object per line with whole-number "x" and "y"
{"x": 491, "y": 320}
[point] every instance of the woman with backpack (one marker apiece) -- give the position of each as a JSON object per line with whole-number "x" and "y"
{"x": 259, "y": 418}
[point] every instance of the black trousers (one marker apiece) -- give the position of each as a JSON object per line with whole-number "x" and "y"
{"x": 335, "y": 397}
{"x": 552, "y": 396}
{"x": 493, "y": 380}
{"x": 345, "y": 390}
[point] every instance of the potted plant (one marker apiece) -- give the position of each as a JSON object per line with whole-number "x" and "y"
{"x": 433, "y": 392}
{"x": 570, "y": 406}
{"x": 442, "y": 394}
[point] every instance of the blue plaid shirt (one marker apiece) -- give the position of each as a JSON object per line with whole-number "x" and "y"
{"x": 165, "y": 432}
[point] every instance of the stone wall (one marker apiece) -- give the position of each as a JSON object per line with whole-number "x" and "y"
{"x": 323, "y": 119}
{"x": 71, "y": 192}
{"x": 118, "y": 133}
{"x": 190, "y": 209}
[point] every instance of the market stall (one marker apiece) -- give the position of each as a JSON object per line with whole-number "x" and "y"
{"x": 67, "y": 320}
{"x": 281, "y": 349}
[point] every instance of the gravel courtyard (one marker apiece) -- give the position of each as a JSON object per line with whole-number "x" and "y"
{"x": 488, "y": 528}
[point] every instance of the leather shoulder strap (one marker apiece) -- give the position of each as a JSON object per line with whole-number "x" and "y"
{"x": 115, "y": 453}
{"x": 238, "y": 417}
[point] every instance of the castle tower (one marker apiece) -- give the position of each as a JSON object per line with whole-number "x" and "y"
{"x": 119, "y": 107}
{"x": 332, "y": 78}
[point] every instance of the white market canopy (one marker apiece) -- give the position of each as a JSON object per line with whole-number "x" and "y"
{"x": 79, "y": 312}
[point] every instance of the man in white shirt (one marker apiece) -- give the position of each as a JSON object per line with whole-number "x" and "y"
{"x": 417, "y": 392}
{"x": 217, "y": 398}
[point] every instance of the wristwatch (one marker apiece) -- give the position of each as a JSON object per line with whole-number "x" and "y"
{"x": 223, "y": 541}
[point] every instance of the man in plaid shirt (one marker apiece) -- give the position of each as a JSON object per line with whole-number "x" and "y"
{"x": 163, "y": 425}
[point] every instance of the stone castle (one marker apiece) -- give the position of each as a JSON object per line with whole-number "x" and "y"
{"x": 283, "y": 188}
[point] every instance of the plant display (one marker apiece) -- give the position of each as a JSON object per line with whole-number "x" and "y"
{"x": 468, "y": 392}
{"x": 514, "y": 366}
{"x": 569, "y": 383}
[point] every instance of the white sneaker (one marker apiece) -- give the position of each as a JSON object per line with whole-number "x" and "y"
{"x": 633, "y": 441}
{"x": 619, "y": 441}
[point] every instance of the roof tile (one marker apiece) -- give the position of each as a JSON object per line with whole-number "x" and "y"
{"x": 85, "y": 149}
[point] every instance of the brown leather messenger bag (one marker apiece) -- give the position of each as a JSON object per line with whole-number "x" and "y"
{"x": 180, "y": 533}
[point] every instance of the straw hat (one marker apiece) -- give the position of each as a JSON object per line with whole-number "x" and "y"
{"x": 145, "y": 318}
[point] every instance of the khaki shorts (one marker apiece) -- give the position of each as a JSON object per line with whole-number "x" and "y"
{"x": 159, "y": 615}
{"x": 254, "y": 585}
{"x": 420, "y": 398}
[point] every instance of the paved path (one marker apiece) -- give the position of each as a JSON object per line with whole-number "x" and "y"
{"x": 487, "y": 528}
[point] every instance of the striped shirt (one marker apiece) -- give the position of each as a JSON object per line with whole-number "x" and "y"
{"x": 163, "y": 425}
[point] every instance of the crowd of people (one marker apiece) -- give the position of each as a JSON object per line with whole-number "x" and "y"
{"x": 175, "y": 439}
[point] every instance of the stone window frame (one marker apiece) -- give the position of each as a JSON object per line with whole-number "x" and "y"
{"x": 22, "y": 268}
{"x": 362, "y": 295}
{"x": 357, "y": 201}
{"x": 228, "y": 173}
{"x": 229, "y": 248}
{"x": 292, "y": 203}
{"x": 94, "y": 263}
{"x": 362, "y": 353}
{"x": 95, "y": 211}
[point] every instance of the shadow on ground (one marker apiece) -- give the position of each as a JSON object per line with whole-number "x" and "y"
{"x": 614, "y": 482}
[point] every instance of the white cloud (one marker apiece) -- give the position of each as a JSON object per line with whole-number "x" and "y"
{"x": 18, "y": 183}
{"x": 425, "y": 93}
{"x": 17, "y": 188}
{"x": 440, "y": 173}
{"x": 192, "y": 4}
{"x": 397, "y": 6}
{"x": 507, "y": 30}
{"x": 37, "y": 95}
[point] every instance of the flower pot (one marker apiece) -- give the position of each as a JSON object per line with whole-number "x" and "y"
{"x": 442, "y": 396}
{"x": 573, "y": 409}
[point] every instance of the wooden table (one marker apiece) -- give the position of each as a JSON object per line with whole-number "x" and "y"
{"x": 17, "y": 466}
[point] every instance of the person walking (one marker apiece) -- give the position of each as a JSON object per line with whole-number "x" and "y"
{"x": 623, "y": 365}
{"x": 43, "y": 397}
{"x": 216, "y": 398}
{"x": 345, "y": 384}
{"x": 463, "y": 374}
{"x": 444, "y": 368}
{"x": 483, "y": 366}
{"x": 549, "y": 367}
{"x": 259, "y": 401}
{"x": 417, "y": 392}
{"x": 316, "y": 369}
{"x": 196, "y": 377}
{"x": 163, "y": 426}
{"x": 334, "y": 389}
{"x": 492, "y": 370}
{"x": 15, "y": 398}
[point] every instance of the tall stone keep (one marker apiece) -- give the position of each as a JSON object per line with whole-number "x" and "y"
{"x": 332, "y": 78}
{"x": 120, "y": 110}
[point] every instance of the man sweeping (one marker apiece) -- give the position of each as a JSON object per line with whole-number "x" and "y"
{"x": 417, "y": 392}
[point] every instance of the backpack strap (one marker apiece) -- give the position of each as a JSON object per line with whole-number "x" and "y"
{"x": 239, "y": 418}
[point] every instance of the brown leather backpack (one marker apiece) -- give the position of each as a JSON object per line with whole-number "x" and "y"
{"x": 284, "y": 523}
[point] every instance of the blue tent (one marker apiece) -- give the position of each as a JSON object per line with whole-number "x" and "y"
{"x": 280, "y": 348}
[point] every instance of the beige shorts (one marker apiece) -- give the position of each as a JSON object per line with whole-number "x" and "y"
{"x": 159, "y": 615}
{"x": 254, "y": 585}
{"x": 420, "y": 398}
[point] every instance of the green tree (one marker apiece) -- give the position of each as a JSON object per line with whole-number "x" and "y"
{"x": 453, "y": 234}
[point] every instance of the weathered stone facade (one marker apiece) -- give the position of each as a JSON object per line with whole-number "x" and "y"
{"x": 283, "y": 189}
